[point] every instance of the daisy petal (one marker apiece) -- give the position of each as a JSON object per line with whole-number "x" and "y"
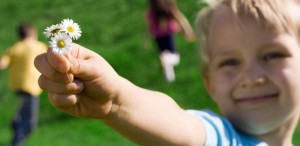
{"x": 61, "y": 43}
{"x": 71, "y": 28}
{"x": 52, "y": 30}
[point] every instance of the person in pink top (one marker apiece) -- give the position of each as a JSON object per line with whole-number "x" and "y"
{"x": 164, "y": 20}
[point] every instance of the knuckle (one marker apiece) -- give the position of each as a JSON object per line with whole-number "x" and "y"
{"x": 72, "y": 88}
{"x": 37, "y": 61}
{"x": 42, "y": 82}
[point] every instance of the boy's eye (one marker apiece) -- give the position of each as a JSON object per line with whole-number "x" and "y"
{"x": 229, "y": 62}
{"x": 273, "y": 55}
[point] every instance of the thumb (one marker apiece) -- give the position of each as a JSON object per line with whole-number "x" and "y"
{"x": 84, "y": 63}
{"x": 84, "y": 69}
{"x": 58, "y": 62}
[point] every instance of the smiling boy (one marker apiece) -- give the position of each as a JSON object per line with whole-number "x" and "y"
{"x": 251, "y": 58}
{"x": 252, "y": 63}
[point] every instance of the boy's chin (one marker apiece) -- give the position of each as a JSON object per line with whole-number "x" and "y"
{"x": 258, "y": 128}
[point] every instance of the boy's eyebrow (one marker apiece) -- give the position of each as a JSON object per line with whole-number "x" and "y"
{"x": 223, "y": 51}
{"x": 220, "y": 54}
{"x": 274, "y": 44}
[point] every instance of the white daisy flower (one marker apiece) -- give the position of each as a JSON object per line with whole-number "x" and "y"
{"x": 71, "y": 28}
{"x": 61, "y": 43}
{"x": 52, "y": 30}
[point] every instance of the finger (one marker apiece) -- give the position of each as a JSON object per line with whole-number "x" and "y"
{"x": 42, "y": 65}
{"x": 58, "y": 62}
{"x": 86, "y": 64}
{"x": 81, "y": 52}
{"x": 86, "y": 69}
{"x": 61, "y": 88}
{"x": 62, "y": 101}
{"x": 61, "y": 62}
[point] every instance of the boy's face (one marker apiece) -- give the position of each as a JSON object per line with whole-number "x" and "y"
{"x": 253, "y": 74}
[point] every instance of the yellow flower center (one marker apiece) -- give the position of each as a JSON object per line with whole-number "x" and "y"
{"x": 70, "y": 28}
{"x": 61, "y": 44}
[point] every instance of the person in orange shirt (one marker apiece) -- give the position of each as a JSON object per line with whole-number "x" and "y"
{"x": 23, "y": 80}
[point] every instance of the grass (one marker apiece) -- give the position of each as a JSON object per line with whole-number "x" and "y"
{"x": 116, "y": 30}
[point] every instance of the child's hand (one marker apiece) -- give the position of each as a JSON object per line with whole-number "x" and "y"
{"x": 80, "y": 83}
{"x": 97, "y": 91}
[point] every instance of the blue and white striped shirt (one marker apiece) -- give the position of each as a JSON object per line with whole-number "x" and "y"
{"x": 220, "y": 132}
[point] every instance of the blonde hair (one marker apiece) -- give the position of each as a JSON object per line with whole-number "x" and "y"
{"x": 274, "y": 15}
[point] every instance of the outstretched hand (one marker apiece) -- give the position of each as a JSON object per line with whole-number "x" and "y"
{"x": 80, "y": 83}
{"x": 83, "y": 84}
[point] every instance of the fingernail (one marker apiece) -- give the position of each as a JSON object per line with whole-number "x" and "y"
{"x": 79, "y": 84}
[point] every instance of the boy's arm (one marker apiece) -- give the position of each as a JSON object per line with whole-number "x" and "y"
{"x": 153, "y": 118}
{"x": 97, "y": 91}
{"x": 184, "y": 23}
{"x": 4, "y": 61}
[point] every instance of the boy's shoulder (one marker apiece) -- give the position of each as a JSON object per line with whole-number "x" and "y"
{"x": 219, "y": 131}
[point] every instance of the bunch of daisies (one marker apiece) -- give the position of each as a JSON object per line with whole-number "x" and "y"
{"x": 61, "y": 36}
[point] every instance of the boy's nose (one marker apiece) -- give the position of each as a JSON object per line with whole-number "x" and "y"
{"x": 252, "y": 75}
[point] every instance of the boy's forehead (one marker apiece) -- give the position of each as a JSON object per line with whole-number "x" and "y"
{"x": 221, "y": 18}
{"x": 222, "y": 13}
{"x": 227, "y": 29}
{"x": 223, "y": 24}
{"x": 226, "y": 21}
{"x": 224, "y": 16}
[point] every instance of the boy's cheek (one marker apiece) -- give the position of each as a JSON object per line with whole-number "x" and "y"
{"x": 219, "y": 91}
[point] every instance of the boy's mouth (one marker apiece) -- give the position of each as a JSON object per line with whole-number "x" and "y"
{"x": 257, "y": 99}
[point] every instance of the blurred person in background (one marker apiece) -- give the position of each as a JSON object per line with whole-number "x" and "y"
{"x": 23, "y": 80}
{"x": 164, "y": 21}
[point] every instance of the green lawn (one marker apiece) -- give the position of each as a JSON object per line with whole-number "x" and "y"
{"x": 115, "y": 29}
